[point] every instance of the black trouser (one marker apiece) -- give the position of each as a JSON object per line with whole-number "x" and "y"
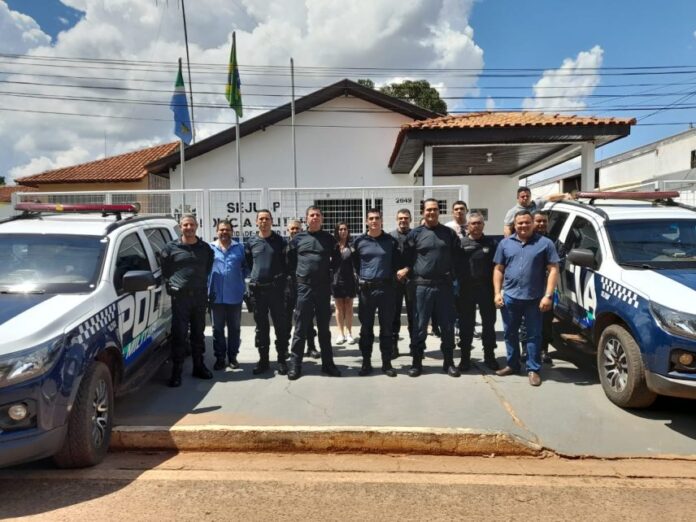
{"x": 434, "y": 299}
{"x": 403, "y": 291}
{"x": 290, "y": 302}
{"x": 313, "y": 301}
{"x": 269, "y": 300}
{"x": 468, "y": 298}
{"x": 188, "y": 309}
{"x": 379, "y": 298}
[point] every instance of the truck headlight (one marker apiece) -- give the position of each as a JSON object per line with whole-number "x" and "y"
{"x": 27, "y": 364}
{"x": 673, "y": 321}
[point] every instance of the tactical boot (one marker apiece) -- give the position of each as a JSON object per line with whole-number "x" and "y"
{"x": 388, "y": 370}
{"x": 175, "y": 379}
{"x": 330, "y": 370}
{"x": 465, "y": 362}
{"x": 489, "y": 359}
{"x": 366, "y": 368}
{"x": 200, "y": 371}
{"x": 395, "y": 351}
{"x": 219, "y": 364}
{"x": 262, "y": 366}
{"x": 294, "y": 368}
{"x": 282, "y": 367}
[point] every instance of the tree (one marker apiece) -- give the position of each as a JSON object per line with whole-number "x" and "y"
{"x": 366, "y": 82}
{"x": 2, "y": 180}
{"x": 418, "y": 92}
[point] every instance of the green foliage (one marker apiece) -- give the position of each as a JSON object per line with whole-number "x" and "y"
{"x": 366, "y": 82}
{"x": 418, "y": 92}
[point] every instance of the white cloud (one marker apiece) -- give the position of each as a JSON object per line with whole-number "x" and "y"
{"x": 370, "y": 34}
{"x": 63, "y": 20}
{"x": 19, "y": 32}
{"x": 569, "y": 84}
{"x": 65, "y": 158}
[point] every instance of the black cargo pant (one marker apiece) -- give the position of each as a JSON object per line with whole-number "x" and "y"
{"x": 470, "y": 296}
{"x": 376, "y": 297}
{"x": 269, "y": 299}
{"x": 313, "y": 300}
{"x": 188, "y": 310}
{"x": 403, "y": 292}
{"x": 290, "y": 302}
{"x": 436, "y": 298}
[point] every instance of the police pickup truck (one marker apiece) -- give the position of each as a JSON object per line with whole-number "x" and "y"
{"x": 628, "y": 290}
{"x": 82, "y": 317}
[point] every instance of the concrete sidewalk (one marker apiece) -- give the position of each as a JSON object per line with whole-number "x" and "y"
{"x": 478, "y": 413}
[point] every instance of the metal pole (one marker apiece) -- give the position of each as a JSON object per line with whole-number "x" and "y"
{"x": 182, "y": 159}
{"x": 188, "y": 67}
{"x": 292, "y": 126}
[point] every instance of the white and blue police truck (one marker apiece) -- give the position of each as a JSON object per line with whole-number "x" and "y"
{"x": 627, "y": 290}
{"x": 83, "y": 317}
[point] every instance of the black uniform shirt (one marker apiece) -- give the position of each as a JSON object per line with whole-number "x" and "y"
{"x": 477, "y": 264}
{"x": 432, "y": 253}
{"x": 312, "y": 255}
{"x": 376, "y": 257}
{"x": 400, "y": 238}
{"x": 265, "y": 257}
{"x": 186, "y": 267}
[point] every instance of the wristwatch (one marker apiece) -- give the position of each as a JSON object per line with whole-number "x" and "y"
{"x": 548, "y": 295}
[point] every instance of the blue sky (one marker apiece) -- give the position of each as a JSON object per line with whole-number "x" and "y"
{"x": 447, "y": 35}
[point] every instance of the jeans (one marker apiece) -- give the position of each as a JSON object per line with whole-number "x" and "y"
{"x": 434, "y": 301}
{"x": 380, "y": 300}
{"x": 513, "y": 311}
{"x": 229, "y": 315}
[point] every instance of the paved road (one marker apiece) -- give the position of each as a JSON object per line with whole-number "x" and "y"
{"x": 568, "y": 414}
{"x": 160, "y": 486}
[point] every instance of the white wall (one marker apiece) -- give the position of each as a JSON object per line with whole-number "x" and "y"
{"x": 673, "y": 156}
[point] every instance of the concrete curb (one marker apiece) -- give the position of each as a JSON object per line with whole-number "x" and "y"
{"x": 351, "y": 439}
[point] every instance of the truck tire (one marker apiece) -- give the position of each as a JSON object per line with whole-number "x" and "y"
{"x": 89, "y": 424}
{"x": 621, "y": 370}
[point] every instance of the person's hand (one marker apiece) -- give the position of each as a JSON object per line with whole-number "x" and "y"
{"x": 545, "y": 304}
{"x": 402, "y": 274}
{"x": 498, "y": 300}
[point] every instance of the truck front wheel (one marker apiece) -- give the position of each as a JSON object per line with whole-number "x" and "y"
{"x": 89, "y": 424}
{"x": 621, "y": 370}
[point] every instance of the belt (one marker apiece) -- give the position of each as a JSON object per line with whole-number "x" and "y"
{"x": 181, "y": 292}
{"x": 374, "y": 283}
{"x": 433, "y": 282}
{"x": 276, "y": 280}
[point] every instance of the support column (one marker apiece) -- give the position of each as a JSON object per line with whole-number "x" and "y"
{"x": 587, "y": 167}
{"x": 428, "y": 169}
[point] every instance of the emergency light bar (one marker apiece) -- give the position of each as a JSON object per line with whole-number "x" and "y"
{"x": 649, "y": 196}
{"x": 132, "y": 208}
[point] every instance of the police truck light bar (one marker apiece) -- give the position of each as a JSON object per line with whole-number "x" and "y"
{"x": 78, "y": 207}
{"x": 650, "y": 196}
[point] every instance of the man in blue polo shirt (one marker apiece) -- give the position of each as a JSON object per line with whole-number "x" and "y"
{"x": 526, "y": 269}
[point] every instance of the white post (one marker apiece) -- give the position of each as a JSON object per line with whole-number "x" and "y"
{"x": 292, "y": 126}
{"x": 428, "y": 169}
{"x": 587, "y": 167}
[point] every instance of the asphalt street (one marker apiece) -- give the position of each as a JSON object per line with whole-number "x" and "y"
{"x": 569, "y": 414}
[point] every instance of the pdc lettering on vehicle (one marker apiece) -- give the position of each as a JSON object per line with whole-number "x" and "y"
{"x": 138, "y": 315}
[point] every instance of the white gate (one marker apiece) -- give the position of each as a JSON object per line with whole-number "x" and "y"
{"x": 349, "y": 204}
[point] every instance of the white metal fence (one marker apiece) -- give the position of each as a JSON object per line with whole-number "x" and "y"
{"x": 685, "y": 187}
{"x": 349, "y": 204}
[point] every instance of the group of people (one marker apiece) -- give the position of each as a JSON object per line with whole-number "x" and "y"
{"x": 443, "y": 273}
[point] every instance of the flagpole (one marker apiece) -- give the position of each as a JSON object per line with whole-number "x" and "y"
{"x": 292, "y": 125}
{"x": 188, "y": 66}
{"x": 181, "y": 161}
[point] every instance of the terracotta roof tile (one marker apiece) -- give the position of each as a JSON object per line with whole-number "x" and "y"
{"x": 124, "y": 167}
{"x": 6, "y": 192}
{"x": 512, "y": 119}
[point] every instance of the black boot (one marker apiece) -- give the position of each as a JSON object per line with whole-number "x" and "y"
{"x": 417, "y": 366}
{"x": 175, "y": 379}
{"x": 489, "y": 359}
{"x": 388, "y": 370}
{"x": 465, "y": 363}
{"x": 395, "y": 351}
{"x": 366, "y": 368}
{"x": 220, "y": 363}
{"x": 282, "y": 367}
{"x": 449, "y": 368}
{"x": 294, "y": 368}
{"x": 200, "y": 371}
{"x": 262, "y": 366}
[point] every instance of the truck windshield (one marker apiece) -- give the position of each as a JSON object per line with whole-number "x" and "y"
{"x": 48, "y": 263}
{"x": 660, "y": 243}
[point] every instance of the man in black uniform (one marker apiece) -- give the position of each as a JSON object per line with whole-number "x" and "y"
{"x": 403, "y": 289}
{"x": 294, "y": 228}
{"x": 310, "y": 257}
{"x": 186, "y": 263}
{"x": 431, "y": 252}
{"x": 376, "y": 257}
{"x": 265, "y": 257}
{"x": 476, "y": 288}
